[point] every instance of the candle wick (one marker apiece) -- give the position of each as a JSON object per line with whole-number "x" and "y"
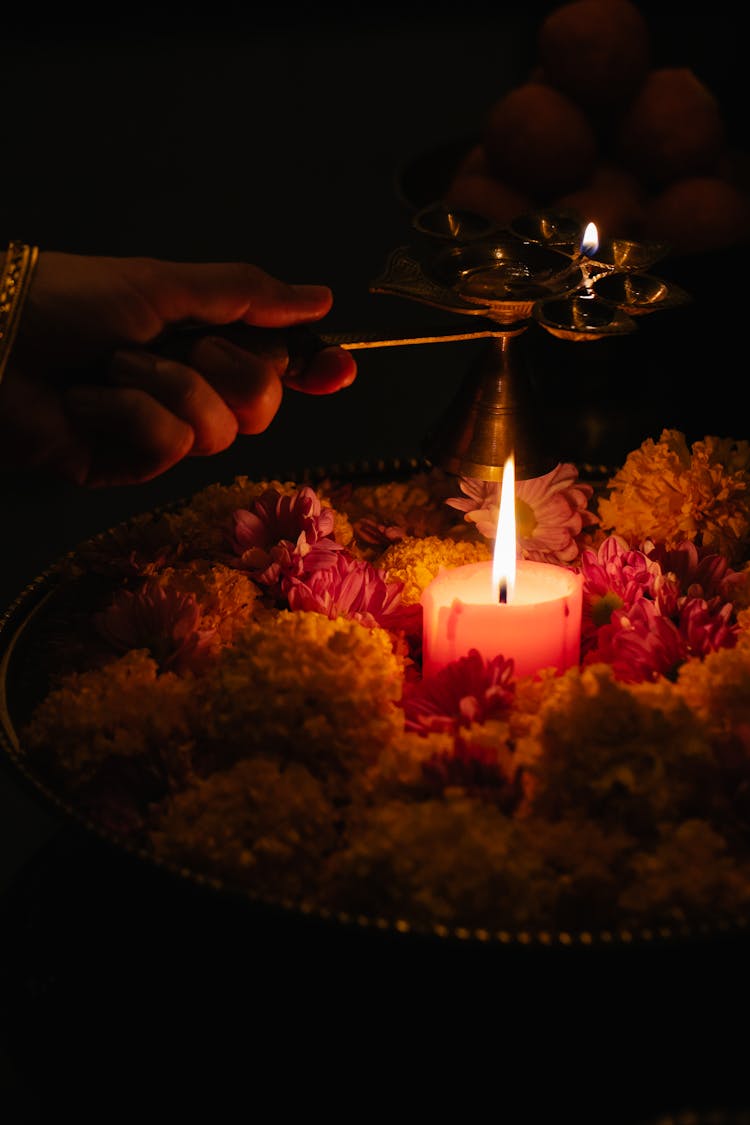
{"x": 588, "y": 290}
{"x": 502, "y": 592}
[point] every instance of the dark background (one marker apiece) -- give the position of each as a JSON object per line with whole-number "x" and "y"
{"x": 280, "y": 136}
{"x": 284, "y": 136}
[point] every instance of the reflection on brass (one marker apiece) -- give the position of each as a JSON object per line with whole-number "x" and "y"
{"x": 403, "y": 276}
{"x": 582, "y": 317}
{"x": 481, "y": 428}
{"x": 500, "y": 278}
{"x": 446, "y": 222}
{"x": 622, "y": 254}
{"x": 553, "y": 228}
{"x": 532, "y": 272}
{"x": 639, "y": 292}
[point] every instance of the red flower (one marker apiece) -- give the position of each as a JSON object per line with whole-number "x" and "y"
{"x": 707, "y": 627}
{"x": 472, "y": 766}
{"x": 643, "y": 644}
{"x": 688, "y": 573}
{"x": 640, "y": 645}
{"x": 466, "y": 691}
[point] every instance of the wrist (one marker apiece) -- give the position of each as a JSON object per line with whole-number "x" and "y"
{"x": 16, "y": 272}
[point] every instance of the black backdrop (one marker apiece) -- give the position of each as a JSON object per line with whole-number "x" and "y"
{"x": 277, "y": 136}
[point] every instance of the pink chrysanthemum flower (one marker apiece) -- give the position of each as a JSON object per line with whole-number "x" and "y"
{"x": 297, "y": 518}
{"x": 707, "y": 627}
{"x": 614, "y": 579}
{"x": 639, "y": 645}
{"x": 283, "y": 534}
{"x": 468, "y": 690}
{"x": 164, "y": 621}
{"x": 690, "y": 572}
{"x": 647, "y": 621}
{"x": 551, "y": 512}
{"x": 297, "y": 560}
{"x": 136, "y": 550}
{"x": 355, "y": 589}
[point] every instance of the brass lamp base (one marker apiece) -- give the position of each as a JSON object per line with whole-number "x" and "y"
{"x": 494, "y": 414}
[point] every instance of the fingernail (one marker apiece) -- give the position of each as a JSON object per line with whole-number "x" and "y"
{"x": 315, "y": 293}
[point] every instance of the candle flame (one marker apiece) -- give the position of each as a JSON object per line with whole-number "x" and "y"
{"x": 590, "y": 240}
{"x": 504, "y": 560}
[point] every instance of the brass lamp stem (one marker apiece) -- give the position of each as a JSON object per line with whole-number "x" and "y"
{"x": 493, "y": 415}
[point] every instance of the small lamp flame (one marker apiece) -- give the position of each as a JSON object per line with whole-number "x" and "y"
{"x": 589, "y": 245}
{"x": 504, "y": 559}
{"x": 590, "y": 240}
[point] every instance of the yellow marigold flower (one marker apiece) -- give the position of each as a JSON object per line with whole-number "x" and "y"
{"x": 257, "y": 825}
{"x": 626, "y": 755}
{"x": 402, "y": 862}
{"x": 741, "y": 597}
{"x": 462, "y": 863}
{"x": 303, "y": 687}
{"x": 226, "y": 597}
{"x": 717, "y": 689}
{"x": 688, "y": 876}
{"x": 743, "y": 620}
{"x": 389, "y": 500}
{"x": 201, "y": 525}
{"x": 530, "y": 694}
{"x": 399, "y": 766}
{"x": 668, "y": 492}
{"x": 415, "y": 562}
{"x": 343, "y": 532}
{"x": 416, "y": 505}
{"x": 123, "y": 710}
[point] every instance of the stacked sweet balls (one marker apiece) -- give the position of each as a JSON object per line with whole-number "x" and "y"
{"x": 601, "y": 130}
{"x": 245, "y": 699}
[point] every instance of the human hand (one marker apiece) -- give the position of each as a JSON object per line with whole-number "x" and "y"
{"x": 93, "y": 392}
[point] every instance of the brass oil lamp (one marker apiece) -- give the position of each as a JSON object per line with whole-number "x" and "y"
{"x": 546, "y": 270}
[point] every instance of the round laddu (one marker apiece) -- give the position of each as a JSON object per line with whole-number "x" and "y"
{"x": 539, "y": 142}
{"x": 697, "y": 214}
{"x": 613, "y": 199}
{"x": 487, "y": 196}
{"x": 598, "y": 52}
{"x": 673, "y": 128}
{"x": 473, "y": 162}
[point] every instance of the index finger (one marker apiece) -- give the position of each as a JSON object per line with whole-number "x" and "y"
{"x": 223, "y": 293}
